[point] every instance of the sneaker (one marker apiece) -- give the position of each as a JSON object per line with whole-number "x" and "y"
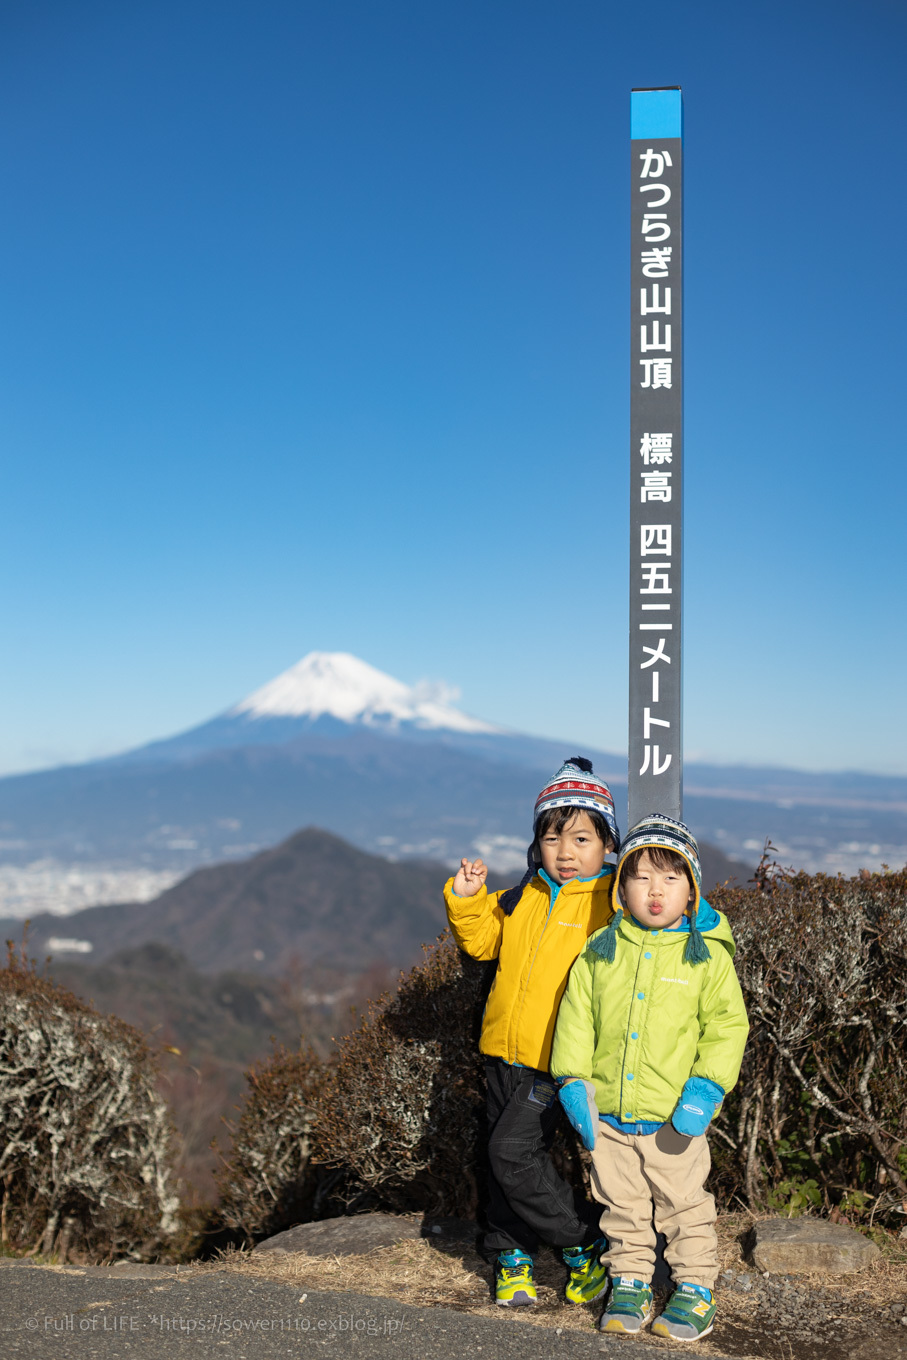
{"x": 588, "y": 1273}
{"x": 629, "y": 1307}
{"x": 690, "y": 1314}
{"x": 514, "y": 1286}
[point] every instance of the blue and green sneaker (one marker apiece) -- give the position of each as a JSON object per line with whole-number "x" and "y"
{"x": 588, "y": 1273}
{"x": 629, "y": 1307}
{"x": 514, "y": 1286}
{"x": 689, "y": 1316}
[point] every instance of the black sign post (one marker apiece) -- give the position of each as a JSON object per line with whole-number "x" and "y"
{"x": 656, "y": 454}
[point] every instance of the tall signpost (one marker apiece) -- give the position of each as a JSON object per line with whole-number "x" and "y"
{"x": 656, "y": 454}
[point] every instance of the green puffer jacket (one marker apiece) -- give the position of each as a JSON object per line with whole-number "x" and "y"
{"x": 640, "y": 1026}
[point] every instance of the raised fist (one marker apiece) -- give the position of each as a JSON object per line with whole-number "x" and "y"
{"x": 470, "y": 877}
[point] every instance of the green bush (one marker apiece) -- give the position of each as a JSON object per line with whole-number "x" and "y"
{"x": 87, "y": 1151}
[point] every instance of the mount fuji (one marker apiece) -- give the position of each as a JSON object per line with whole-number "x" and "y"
{"x": 332, "y": 742}
{"x": 401, "y": 771}
{"x": 326, "y": 693}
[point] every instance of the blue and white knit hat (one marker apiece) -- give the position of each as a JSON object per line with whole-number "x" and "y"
{"x": 666, "y": 834}
{"x": 575, "y": 785}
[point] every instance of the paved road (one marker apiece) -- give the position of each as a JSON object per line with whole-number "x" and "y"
{"x": 160, "y": 1313}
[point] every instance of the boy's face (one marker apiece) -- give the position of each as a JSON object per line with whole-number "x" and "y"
{"x": 656, "y": 897}
{"x": 576, "y": 852}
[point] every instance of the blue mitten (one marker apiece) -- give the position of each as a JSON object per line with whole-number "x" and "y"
{"x": 698, "y": 1102}
{"x": 578, "y": 1100}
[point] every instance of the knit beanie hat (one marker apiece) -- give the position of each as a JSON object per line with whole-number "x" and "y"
{"x": 575, "y": 785}
{"x": 666, "y": 834}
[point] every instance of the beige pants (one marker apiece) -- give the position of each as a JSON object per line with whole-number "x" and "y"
{"x": 631, "y": 1174}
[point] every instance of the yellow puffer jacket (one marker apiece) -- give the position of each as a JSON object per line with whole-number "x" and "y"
{"x": 535, "y": 948}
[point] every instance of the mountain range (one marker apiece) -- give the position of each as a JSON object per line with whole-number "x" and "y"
{"x": 313, "y": 905}
{"x": 313, "y": 901}
{"x": 403, "y": 772}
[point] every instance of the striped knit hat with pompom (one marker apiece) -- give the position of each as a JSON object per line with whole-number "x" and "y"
{"x": 663, "y": 833}
{"x": 575, "y": 785}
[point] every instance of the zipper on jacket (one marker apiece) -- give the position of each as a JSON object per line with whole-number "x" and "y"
{"x": 551, "y": 901}
{"x": 552, "y": 898}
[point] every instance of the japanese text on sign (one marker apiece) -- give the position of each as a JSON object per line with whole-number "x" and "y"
{"x": 656, "y": 454}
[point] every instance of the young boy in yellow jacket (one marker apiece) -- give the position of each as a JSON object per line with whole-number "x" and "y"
{"x": 649, "y": 1040}
{"x": 536, "y": 931}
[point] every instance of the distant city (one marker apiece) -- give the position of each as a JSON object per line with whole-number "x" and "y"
{"x": 45, "y": 885}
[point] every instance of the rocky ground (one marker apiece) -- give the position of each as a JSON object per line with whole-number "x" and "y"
{"x": 854, "y": 1316}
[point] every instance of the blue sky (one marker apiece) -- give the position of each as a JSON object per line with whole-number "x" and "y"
{"x": 316, "y": 337}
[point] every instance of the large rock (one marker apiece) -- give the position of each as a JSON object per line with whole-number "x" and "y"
{"x": 349, "y": 1236}
{"x": 795, "y": 1246}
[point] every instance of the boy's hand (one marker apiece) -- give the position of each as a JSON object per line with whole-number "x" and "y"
{"x": 470, "y": 877}
{"x": 698, "y": 1102}
{"x": 578, "y": 1100}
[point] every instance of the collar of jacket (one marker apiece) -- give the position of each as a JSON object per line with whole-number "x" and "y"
{"x": 719, "y": 930}
{"x": 707, "y": 918}
{"x": 554, "y": 888}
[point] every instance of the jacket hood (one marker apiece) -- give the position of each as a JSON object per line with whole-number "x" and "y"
{"x": 712, "y": 924}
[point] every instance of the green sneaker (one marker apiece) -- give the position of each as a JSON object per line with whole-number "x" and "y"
{"x": 689, "y": 1316}
{"x": 629, "y": 1307}
{"x": 588, "y": 1273}
{"x": 514, "y": 1286}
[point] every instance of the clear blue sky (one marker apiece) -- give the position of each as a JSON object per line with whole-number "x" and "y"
{"x": 315, "y": 336}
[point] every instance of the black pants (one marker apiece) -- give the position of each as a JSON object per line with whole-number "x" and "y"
{"x": 528, "y": 1202}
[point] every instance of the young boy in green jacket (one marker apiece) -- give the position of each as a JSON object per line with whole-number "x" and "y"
{"x": 649, "y": 1040}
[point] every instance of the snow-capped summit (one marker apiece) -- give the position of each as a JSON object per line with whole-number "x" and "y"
{"x": 338, "y": 685}
{"x": 327, "y": 695}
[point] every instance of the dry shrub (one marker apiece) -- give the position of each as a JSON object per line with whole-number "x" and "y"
{"x": 403, "y": 1108}
{"x": 403, "y": 1103}
{"x": 86, "y": 1153}
{"x": 817, "y": 1119}
{"x": 265, "y": 1184}
{"x": 395, "y": 1120}
{"x": 819, "y": 1113}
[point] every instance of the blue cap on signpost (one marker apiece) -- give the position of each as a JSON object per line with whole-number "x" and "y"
{"x": 656, "y": 114}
